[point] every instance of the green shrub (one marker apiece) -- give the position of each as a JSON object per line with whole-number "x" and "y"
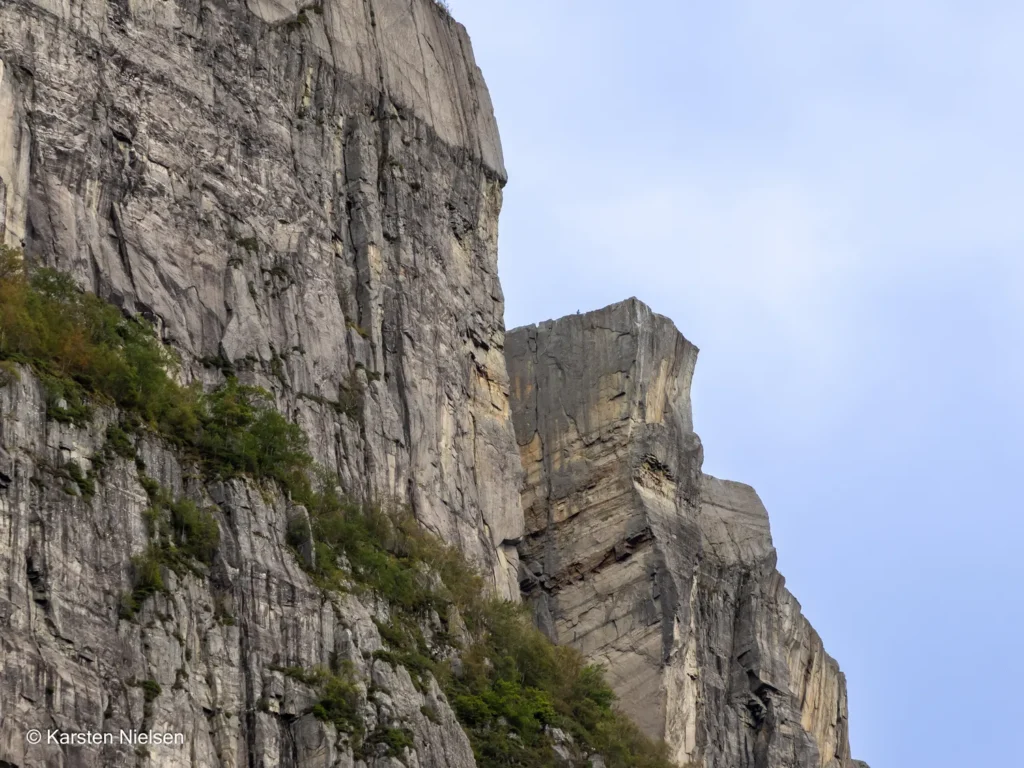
{"x": 514, "y": 684}
{"x": 85, "y": 482}
{"x": 66, "y": 401}
{"x": 339, "y": 696}
{"x": 84, "y": 349}
{"x": 339, "y": 704}
{"x": 394, "y": 740}
{"x": 194, "y": 530}
{"x": 239, "y": 432}
{"x": 150, "y": 689}
{"x": 81, "y": 345}
{"x": 119, "y": 442}
{"x": 181, "y": 534}
{"x": 147, "y": 580}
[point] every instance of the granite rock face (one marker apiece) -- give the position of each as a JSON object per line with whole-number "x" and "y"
{"x": 305, "y": 193}
{"x": 215, "y": 648}
{"x": 662, "y": 574}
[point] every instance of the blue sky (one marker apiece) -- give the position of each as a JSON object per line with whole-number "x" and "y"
{"x": 828, "y": 199}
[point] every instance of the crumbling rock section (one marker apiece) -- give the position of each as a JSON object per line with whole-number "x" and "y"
{"x": 662, "y": 574}
{"x": 303, "y": 193}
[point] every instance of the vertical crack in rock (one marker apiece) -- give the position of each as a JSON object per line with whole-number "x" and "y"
{"x": 305, "y": 195}
{"x": 301, "y": 194}
{"x": 202, "y": 163}
{"x": 664, "y": 575}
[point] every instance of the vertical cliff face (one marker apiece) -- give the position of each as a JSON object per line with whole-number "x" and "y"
{"x": 223, "y": 655}
{"x": 664, "y": 575}
{"x": 304, "y": 193}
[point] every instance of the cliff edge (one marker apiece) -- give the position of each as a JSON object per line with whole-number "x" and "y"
{"x": 662, "y": 574}
{"x": 303, "y": 196}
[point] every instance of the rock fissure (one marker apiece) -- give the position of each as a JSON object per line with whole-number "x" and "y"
{"x": 701, "y": 652}
{"x": 305, "y": 196}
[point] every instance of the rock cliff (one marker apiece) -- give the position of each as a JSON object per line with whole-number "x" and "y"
{"x": 305, "y": 195}
{"x": 664, "y": 575}
{"x": 217, "y": 657}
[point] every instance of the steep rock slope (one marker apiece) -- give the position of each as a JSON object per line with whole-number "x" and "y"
{"x": 663, "y": 574}
{"x": 304, "y": 193}
{"x": 222, "y": 656}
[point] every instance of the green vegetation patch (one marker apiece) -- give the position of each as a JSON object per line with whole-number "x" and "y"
{"x": 147, "y": 580}
{"x": 386, "y": 742}
{"x": 339, "y": 695}
{"x": 179, "y": 527}
{"x": 82, "y": 346}
{"x": 510, "y": 687}
{"x": 182, "y": 534}
{"x": 86, "y": 351}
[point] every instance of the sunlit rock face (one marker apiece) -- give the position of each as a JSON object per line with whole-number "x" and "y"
{"x": 663, "y": 575}
{"x": 215, "y": 645}
{"x": 304, "y": 193}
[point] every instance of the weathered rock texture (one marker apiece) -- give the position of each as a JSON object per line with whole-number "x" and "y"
{"x": 664, "y": 575}
{"x": 306, "y": 195}
{"x": 216, "y": 643}
{"x": 305, "y": 192}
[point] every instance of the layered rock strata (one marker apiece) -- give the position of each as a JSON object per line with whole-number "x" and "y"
{"x": 303, "y": 193}
{"x": 664, "y": 575}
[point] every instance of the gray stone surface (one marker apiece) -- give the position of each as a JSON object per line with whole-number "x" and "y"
{"x": 308, "y": 196}
{"x": 662, "y": 574}
{"x": 215, "y": 642}
{"x": 307, "y": 192}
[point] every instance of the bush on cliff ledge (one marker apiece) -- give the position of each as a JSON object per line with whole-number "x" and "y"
{"x": 512, "y": 690}
{"x": 86, "y": 351}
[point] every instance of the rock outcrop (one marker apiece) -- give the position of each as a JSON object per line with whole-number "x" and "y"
{"x": 662, "y": 574}
{"x": 306, "y": 193}
{"x": 216, "y": 657}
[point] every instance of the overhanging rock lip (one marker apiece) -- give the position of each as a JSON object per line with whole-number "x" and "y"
{"x": 635, "y": 306}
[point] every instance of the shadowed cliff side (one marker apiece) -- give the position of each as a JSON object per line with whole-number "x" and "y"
{"x": 663, "y": 574}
